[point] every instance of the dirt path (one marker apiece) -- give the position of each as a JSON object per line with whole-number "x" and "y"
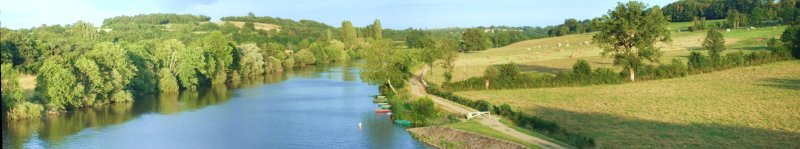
{"x": 492, "y": 121}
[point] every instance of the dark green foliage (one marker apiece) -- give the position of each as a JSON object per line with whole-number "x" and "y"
{"x": 418, "y": 39}
{"x": 698, "y": 62}
{"x": 791, "y": 39}
{"x": 167, "y": 81}
{"x": 699, "y": 24}
{"x": 582, "y": 67}
{"x": 474, "y": 40}
{"x": 156, "y": 19}
{"x": 715, "y": 44}
{"x": 58, "y": 86}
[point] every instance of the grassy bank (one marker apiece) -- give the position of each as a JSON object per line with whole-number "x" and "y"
{"x": 746, "y": 107}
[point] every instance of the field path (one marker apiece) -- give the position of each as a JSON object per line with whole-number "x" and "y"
{"x": 491, "y": 121}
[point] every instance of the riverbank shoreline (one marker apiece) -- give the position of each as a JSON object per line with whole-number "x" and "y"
{"x": 446, "y": 137}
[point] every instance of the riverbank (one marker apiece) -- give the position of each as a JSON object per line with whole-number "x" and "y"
{"x": 446, "y": 137}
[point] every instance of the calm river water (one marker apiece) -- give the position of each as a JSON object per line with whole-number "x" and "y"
{"x": 316, "y": 107}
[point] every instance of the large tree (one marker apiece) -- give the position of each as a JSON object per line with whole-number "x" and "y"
{"x": 385, "y": 65}
{"x": 348, "y": 34}
{"x": 377, "y": 30}
{"x": 715, "y": 44}
{"x": 629, "y": 33}
{"x": 218, "y": 56}
{"x": 791, "y": 37}
{"x": 474, "y": 40}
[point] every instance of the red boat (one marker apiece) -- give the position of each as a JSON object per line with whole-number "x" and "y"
{"x": 382, "y": 110}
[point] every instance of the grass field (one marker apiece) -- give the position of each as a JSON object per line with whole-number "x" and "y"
{"x": 546, "y": 56}
{"x": 259, "y": 26}
{"x": 746, "y": 107}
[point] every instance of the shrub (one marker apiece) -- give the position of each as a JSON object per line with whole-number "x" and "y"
{"x": 288, "y": 64}
{"x": 698, "y": 62}
{"x": 582, "y": 68}
{"x": 122, "y": 96}
{"x": 25, "y": 110}
{"x": 304, "y": 57}
{"x": 735, "y": 59}
{"x": 167, "y": 81}
{"x": 424, "y": 111}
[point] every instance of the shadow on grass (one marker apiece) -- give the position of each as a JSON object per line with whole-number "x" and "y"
{"x": 612, "y": 131}
{"x": 541, "y": 68}
{"x": 791, "y": 84}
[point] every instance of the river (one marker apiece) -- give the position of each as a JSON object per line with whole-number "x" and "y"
{"x": 315, "y": 107}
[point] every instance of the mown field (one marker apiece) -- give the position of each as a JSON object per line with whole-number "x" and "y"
{"x": 746, "y": 107}
{"x": 546, "y": 56}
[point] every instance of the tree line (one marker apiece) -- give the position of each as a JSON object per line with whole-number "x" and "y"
{"x": 738, "y": 12}
{"x": 79, "y": 65}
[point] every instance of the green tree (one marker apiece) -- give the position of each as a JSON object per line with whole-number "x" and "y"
{"x": 791, "y": 37}
{"x": 449, "y": 54}
{"x": 117, "y": 70}
{"x": 184, "y": 62}
{"x": 349, "y": 35}
{"x": 582, "y": 68}
{"x": 377, "y": 30}
{"x": 167, "y": 81}
{"x": 715, "y": 44}
{"x": 304, "y": 57}
{"x": 629, "y": 32}
{"x": 252, "y": 62}
{"x": 418, "y": 39}
{"x": 219, "y": 56}
{"x": 11, "y": 91}
{"x": 190, "y": 64}
{"x": 474, "y": 40}
{"x": 735, "y": 19}
{"x": 58, "y": 86}
{"x": 385, "y": 65}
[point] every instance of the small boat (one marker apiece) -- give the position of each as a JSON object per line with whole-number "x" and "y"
{"x": 382, "y": 111}
{"x": 402, "y": 122}
{"x": 385, "y": 106}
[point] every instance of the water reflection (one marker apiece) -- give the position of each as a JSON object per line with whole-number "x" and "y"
{"x": 258, "y": 106}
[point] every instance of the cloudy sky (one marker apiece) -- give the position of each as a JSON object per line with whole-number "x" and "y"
{"x": 396, "y": 14}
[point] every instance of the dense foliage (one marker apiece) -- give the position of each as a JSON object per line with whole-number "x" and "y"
{"x": 80, "y": 65}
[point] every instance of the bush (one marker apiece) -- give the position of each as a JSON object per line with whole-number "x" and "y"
{"x": 423, "y": 111}
{"x": 288, "y": 64}
{"x": 698, "y": 62}
{"x": 304, "y": 57}
{"x": 735, "y": 59}
{"x": 25, "y": 110}
{"x": 122, "y": 96}
{"x": 167, "y": 81}
{"x": 582, "y": 68}
{"x": 274, "y": 65}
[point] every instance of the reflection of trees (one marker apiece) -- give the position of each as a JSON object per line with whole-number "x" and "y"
{"x": 19, "y": 131}
{"x": 168, "y": 103}
{"x": 54, "y": 129}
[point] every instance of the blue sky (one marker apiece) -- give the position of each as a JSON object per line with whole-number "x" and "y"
{"x": 396, "y": 14}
